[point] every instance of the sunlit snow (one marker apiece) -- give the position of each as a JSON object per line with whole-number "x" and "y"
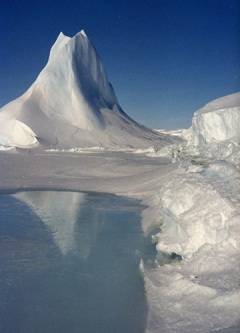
{"x": 72, "y": 104}
{"x": 189, "y": 181}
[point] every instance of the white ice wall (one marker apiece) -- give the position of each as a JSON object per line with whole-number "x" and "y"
{"x": 218, "y": 120}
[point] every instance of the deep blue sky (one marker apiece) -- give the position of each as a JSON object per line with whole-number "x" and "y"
{"x": 165, "y": 58}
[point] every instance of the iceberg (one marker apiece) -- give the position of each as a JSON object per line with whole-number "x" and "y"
{"x": 71, "y": 104}
{"x": 187, "y": 180}
{"x": 219, "y": 120}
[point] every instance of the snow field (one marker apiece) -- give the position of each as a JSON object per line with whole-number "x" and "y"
{"x": 193, "y": 203}
{"x": 198, "y": 213}
{"x": 189, "y": 180}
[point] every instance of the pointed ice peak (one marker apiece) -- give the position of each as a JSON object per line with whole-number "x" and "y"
{"x": 75, "y": 83}
{"x": 61, "y": 37}
{"x": 57, "y": 46}
{"x": 71, "y": 104}
{"x": 82, "y": 32}
{"x": 63, "y": 40}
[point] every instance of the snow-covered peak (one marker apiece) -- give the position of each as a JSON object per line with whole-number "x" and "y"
{"x": 83, "y": 33}
{"x": 71, "y": 104}
{"x": 57, "y": 46}
{"x": 219, "y": 120}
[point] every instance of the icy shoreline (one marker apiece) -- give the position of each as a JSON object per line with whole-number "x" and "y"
{"x": 196, "y": 207}
{"x": 189, "y": 180}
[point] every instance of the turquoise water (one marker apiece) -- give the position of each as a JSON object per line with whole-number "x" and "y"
{"x": 69, "y": 262}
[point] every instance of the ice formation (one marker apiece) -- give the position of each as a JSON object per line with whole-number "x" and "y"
{"x": 198, "y": 212}
{"x": 192, "y": 198}
{"x": 218, "y": 120}
{"x": 71, "y": 104}
{"x": 191, "y": 189}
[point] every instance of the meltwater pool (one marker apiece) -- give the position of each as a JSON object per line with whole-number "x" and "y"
{"x": 69, "y": 262}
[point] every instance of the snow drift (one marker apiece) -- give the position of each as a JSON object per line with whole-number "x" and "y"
{"x": 218, "y": 120}
{"x": 191, "y": 189}
{"x": 71, "y": 104}
{"x": 191, "y": 195}
{"x": 197, "y": 213}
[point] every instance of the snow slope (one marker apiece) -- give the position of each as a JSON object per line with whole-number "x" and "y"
{"x": 71, "y": 104}
{"x": 191, "y": 189}
{"x": 198, "y": 215}
{"x": 192, "y": 209}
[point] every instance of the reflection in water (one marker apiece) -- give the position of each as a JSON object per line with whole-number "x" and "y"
{"x": 68, "y": 264}
{"x": 59, "y": 211}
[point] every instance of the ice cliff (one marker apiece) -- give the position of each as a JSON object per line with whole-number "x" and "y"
{"x": 219, "y": 120}
{"x": 71, "y": 104}
{"x": 197, "y": 211}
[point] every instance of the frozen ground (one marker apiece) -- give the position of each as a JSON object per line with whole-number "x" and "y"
{"x": 189, "y": 181}
{"x": 192, "y": 210}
